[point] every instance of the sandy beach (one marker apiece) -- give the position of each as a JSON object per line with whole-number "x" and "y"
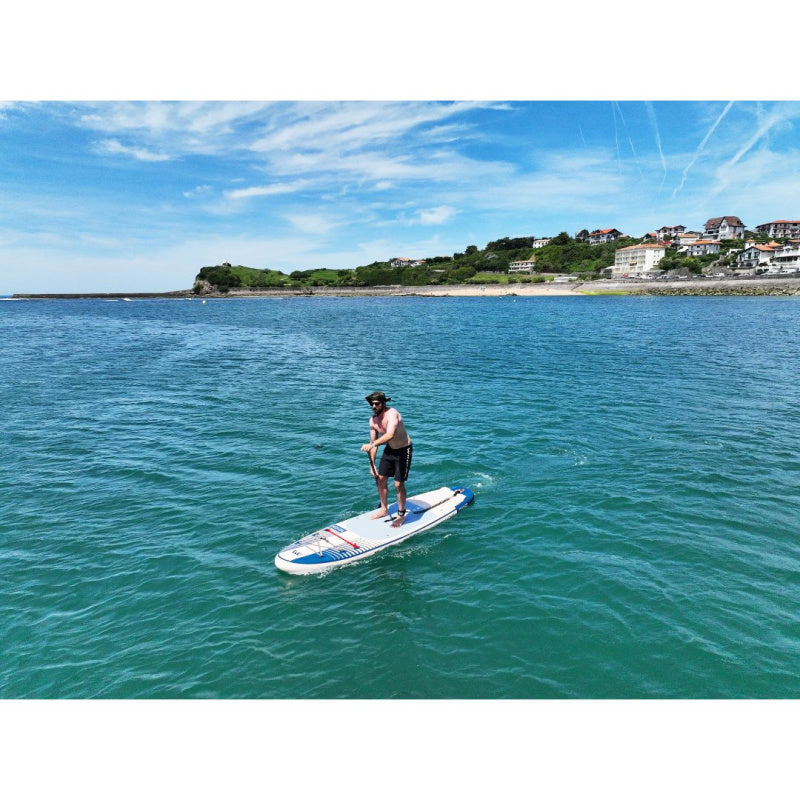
{"x": 703, "y": 286}
{"x": 709, "y": 286}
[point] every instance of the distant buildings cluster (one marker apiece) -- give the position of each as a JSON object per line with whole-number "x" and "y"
{"x": 642, "y": 259}
{"x": 716, "y": 229}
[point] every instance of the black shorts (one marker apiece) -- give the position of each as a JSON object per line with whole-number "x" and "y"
{"x": 395, "y": 463}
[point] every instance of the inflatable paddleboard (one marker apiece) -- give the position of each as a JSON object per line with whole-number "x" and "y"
{"x": 358, "y": 537}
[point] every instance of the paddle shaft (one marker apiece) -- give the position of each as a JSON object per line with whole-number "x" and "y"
{"x": 423, "y": 510}
{"x": 372, "y": 467}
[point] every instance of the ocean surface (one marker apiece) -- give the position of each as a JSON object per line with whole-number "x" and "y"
{"x": 635, "y": 532}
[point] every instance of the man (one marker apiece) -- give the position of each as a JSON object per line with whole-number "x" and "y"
{"x": 386, "y": 427}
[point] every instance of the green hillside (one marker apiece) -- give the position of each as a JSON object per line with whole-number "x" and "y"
{"x": 488, "y": 265}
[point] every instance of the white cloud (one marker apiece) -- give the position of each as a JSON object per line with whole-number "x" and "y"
{"x": 200, "y": 119}
{"x": 343, "y": 127}
{"x": 436, "y": 216}
{"x": 333, "y": 146}
{"x": 762, "y": 182}
{"x": 114, "y": 147}
{"x": 264, "y": 191}
{"x": 312, "y": 223}
{"x": 198, "y": 191}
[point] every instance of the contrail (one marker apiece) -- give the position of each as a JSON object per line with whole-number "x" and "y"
{"x": 630, "y": 141}
{"x": 771, "y": 120}
{"x": 616, "y": 139}
{"x": 701, "y": 146}
{"x": 652, "y": 114}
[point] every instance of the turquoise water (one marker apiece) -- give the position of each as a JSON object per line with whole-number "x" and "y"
{"x": 635, "y": 532}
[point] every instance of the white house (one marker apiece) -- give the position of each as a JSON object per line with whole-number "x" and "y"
{"x": 724, "y": 228}
{"x": 702, "y": 247}
{"x": 522, "y": 266}
{"x": 780, "y": 227}
{"x": 604, "y": 235}
{"x": 687, "y": 237}
{"x": 405, "y": 262}
{"x": 786, "y": 258}
{"x": 637, "y": 259}
{"x": 537, "y": 243}
{"x": 670, "y": 231}
{"x": 754, "y": 256}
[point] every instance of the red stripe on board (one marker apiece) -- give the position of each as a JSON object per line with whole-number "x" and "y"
{"x": 357, "y": 547}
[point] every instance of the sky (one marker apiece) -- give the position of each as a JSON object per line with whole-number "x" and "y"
{"x": 126, "y": 173}
{"x": 137, "y": 196}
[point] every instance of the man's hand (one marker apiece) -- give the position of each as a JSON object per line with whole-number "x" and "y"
{"x": 365, "y": 448}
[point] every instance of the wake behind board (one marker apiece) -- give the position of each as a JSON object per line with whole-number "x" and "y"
{"x": 358, "y": 537}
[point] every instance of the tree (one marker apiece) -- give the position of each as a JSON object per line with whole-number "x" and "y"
{"x": 672, "y": 261}
{"x": 460, "y": 274}
{"x": 510, "y": 244}
{"x": 220, "y": 277}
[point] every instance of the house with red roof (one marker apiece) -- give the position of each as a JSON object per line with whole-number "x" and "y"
{"x": 754, "y": 256}
{"x": 686, "y": 238}
{"x": 670, "y": 232}
{"x": 637, "y": 260}
{"x": 701, "y": 247}
{"x": 786, "y": 258}
{"x": 604, "y": 235}
{"x": 780, "y": 227}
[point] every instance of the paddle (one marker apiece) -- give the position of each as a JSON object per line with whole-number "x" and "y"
{"x": 372, "y": 467}
{"x": 428, "y": 508}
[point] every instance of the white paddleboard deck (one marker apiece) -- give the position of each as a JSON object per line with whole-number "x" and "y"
{"x": 358, "y": 537}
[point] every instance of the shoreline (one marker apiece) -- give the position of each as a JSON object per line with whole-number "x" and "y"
{"x": 769, "y": 286}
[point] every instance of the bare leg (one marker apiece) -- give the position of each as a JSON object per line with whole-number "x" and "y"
{"x": 383, "y": 496}
{"x": 400, "y": 488}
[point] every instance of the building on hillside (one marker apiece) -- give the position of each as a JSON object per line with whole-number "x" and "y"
{"x": 786, "y": 258}
{"x": 522, "y": 266}
{"x": 780, "y": 227}
{"x": 754, "y": 256}
{"x": 701, "y": 247}
{"x": 670, "y": 232}
{"x": 637, "y": 260}
{"x": 686, "y": 238}
{"x": 405, "y": 262}
{"x": 603, "y": 235}
{"x": 537, "y": 243}
{"x": 724, "y": 228}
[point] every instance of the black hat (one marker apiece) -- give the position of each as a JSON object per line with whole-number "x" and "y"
{"x": 377, "y": 396}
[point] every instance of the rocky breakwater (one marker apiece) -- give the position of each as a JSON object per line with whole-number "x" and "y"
{"x": 703, "y": 287}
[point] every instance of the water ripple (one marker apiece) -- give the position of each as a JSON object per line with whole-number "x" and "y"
{"x": 634, "y": 532}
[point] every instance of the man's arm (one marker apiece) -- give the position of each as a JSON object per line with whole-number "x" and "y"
{"x": 373, "y": 436}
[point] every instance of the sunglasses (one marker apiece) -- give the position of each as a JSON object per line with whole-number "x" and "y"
{"x": 376, "y": 402}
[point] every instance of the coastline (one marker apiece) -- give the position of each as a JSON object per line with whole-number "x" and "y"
{"x": 761, "y": 286}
